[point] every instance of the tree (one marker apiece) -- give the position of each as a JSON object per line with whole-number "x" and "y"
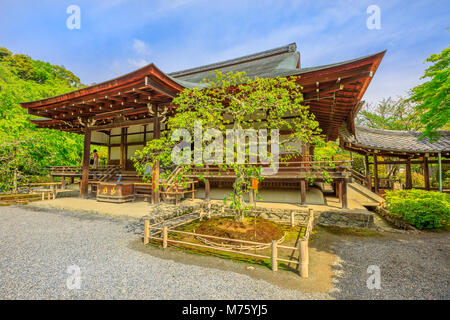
{"x": 433, "y": 96}
{"x": 24, "y": 149}
{"x": 236, "y": 103}
{"x": 391, "y": 114}
{"x": 4, "y": 53}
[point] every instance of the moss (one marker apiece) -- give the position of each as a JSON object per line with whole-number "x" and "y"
{"x": 350, "y": 231}
{"x": 227, "y": 227}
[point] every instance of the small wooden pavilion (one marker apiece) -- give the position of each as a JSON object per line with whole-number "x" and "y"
{"x": 126, "y": 112}
{"x": 396, "y": 148}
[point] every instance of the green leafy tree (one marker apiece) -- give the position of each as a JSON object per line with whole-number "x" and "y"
{"x": 235, "y": 101}
{"x": 4, "y": 53}
{"x": 24, "y": 149}
{"x": 433, "y": 96}
{"x": 391, "y": 114}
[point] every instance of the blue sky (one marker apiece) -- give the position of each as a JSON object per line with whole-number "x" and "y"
{"x": 118, "y": 36}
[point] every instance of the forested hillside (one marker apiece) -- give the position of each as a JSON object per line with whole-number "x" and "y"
{"x": 25, "y": 149}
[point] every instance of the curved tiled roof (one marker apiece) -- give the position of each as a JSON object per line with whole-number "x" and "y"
{"x": 395, "y": 140}
{"x": 269, "y": 63}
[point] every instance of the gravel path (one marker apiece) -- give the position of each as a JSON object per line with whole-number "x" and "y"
{"x": 411, "y": 266}
{"x": 37, "y": 247}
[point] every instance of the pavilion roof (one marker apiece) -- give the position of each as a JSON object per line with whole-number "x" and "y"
{"x": 332, "y": 91}
{"x": 391, "y": 142}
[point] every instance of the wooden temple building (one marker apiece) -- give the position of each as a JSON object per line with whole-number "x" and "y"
{"x": 126, "y": 112}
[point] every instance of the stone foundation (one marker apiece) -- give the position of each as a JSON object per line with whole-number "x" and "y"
{"x": 341, "y": 218}
{"x": 393, "y": 219}
{"x": 346, "y": 219}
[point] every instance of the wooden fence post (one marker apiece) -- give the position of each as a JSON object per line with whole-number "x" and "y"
{"x": 311, "y": 215}
{"x": 303, "y": 258}
{"x": 146, "y": 231}
{"x": 274, "y": 255}
{"x": 164, "y": 237}
{"x": 292, "y": 219}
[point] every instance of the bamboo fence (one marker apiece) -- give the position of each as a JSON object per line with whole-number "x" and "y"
{"x": 162, "y": 234}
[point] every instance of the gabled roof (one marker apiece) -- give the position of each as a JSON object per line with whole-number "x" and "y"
{"x": 394, "y": 140}
{"x": 332, "y": 91}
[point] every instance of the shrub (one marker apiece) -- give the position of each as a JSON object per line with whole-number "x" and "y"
{"x": 424, "y": 209}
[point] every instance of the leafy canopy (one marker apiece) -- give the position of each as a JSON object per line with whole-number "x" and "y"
{"x": 390, "y": 114}
{"x": 433, "y": 96}
{"x": 236, "y": 101}
{"x": 24, "y": 148}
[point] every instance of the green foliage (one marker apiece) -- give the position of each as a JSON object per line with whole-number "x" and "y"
{"x": 433, "y": 96}
{"x": 424, "y": 209}
{"x": 390, "y": 114}
{"x": 23, "y": 148}
{"x": 235, "y": 101}
{"x": 4, "y": 53}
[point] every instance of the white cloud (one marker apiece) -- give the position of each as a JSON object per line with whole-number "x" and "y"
{"x": 141, "y": 47}
{"x": 138, "y": 63}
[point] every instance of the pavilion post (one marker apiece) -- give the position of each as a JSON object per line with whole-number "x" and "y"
{"x": 366, "y": 164}
{"x": 303, "y": 191}
{"x": 367, "y": 170}
{"x": 84, "y": 185}
{"x": 408, "y": 174}
{"x": 343, "y": 193}
{"x": 155, "y": 170}
{"x": 375, "y": 173}
{"x": 440, "y": 171}
{"x": 426, "y": 173}
{"x": 123, "y": 148}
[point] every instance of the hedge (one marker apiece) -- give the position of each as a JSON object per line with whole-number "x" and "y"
{"x": 423, "y": 209}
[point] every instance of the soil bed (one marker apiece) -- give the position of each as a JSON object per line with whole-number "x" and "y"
{"x": 227, "y": 227}
{"x": 291, "y": 237}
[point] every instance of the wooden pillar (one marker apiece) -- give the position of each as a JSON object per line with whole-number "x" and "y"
{"x": 303, "y": 191}
{"x": 366, "y": 164}
{"x": 367, "y": 172}
{"x": 375, "y": 173}
{"x": 109, "y": 148}
{"x": 343, "y": 190}
{"x": 408, "y": 178}
{"x": 426, "y": 173}
{"x": 155, "y": 170}
{"x": 207, "y": 190}
{"x": 84, "y": 185}
{"x": 63, "y": 183}
{"x": 123, "y": 148}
